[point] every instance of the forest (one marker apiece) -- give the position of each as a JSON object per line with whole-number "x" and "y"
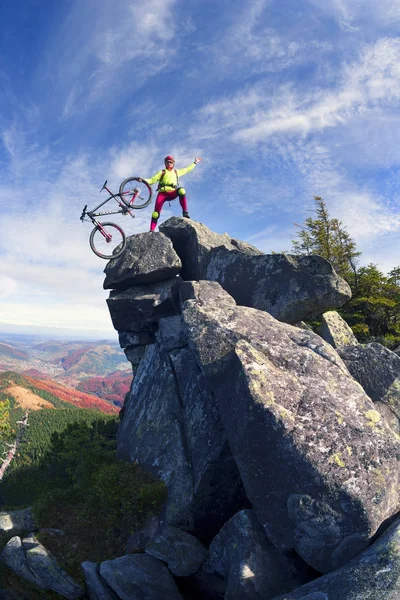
{"x": 66, "y": 469}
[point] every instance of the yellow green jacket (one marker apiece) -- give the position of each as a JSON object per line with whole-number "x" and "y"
{"x": 169, "y": 178}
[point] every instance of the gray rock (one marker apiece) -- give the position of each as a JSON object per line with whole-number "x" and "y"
{"x": 303, "y": 325}
{"x": 290, "y": 288}
{"x": 135, "y": 338}
{"x": 46, "y": 570}
{"x": 193, "y": 242}
{"x": 170, "y": 333}
{"x": 139, "y": 577}
{"x": 17, "y": 520}
{"x": 373, "y": 575}
{"x": 97, "y": 587}
{"x": 141, "y": 306}
{"x": 13, "y": 556}
{"x": 171, "y": 426}
{"x": 135, "y": 355}
{"x": 148, "y": 258}
{"x": 289, "y": 407}
{"x": 182, "y": 552}
{"x": 335, "y": 330}
{"x": 31, "y": 561}
{"x": 138, "y": 540}
{"x": 251, "y": 564}
{"x": 377, "y": 369}
{"x": 246, "y": 247}
{"x": 388, "y": 415}
{"x": 211, "y": 290}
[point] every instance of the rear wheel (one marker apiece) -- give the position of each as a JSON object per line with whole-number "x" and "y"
{"x": 107, "y": 240}
{"x": 136, "y": 192}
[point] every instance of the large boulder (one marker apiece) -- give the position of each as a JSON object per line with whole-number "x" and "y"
{"x": 249, "y": 562}
{"x": 182, "y": 552}
{"x": 373, "y": 575}
{"x": 319, "y": 465}
{"x": 97, "y": 587}
{"x": 377, "y": 369}
{"x": 335, "y": 330}
{"x": 290, "y": 288}
{"x": 171, "y": 426}
{"x": 194, "y": 242}
{"x": 17, "y": 520}
{"x": 138, "y": 308}
{"x": 31, "y": 561}
{"x": 139, "y": 577}
{"x": 148, "y": 258}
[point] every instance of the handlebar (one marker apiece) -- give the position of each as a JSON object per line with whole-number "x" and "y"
{"x": 84, "y": 212}
{"x": 104, "y": 185}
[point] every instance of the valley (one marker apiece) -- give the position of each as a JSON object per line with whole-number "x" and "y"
{"x": 91, "y": 374}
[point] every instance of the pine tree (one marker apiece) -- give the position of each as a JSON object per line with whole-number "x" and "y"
{"x": 328, "y": 238}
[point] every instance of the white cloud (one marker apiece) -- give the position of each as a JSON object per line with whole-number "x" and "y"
{"x": 354, "y": 14}
{"x": 259, "y": 112}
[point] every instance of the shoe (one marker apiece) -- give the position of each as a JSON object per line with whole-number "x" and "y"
{"x": 185, "y": 214}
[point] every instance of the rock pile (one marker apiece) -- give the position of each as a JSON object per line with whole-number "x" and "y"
{"x": 275, "y": 458}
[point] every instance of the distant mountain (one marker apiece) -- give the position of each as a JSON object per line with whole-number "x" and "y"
{"x": 112, "y": 388}
{"x": 62, "y": 360}
{"x": 36, "y": 394}
{"x": 12, "y": 352}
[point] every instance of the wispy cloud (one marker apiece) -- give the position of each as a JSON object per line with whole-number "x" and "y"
{"x": 351, "y": 15}
{"x": 259, "y": 112}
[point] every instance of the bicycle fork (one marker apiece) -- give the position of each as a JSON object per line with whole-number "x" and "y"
{"x": 104, "y": 233}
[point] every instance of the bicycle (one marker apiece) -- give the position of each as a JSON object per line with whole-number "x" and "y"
{"x": 109, "y": 236}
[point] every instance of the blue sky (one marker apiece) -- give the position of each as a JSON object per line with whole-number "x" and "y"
{"x": 283, "y": 100}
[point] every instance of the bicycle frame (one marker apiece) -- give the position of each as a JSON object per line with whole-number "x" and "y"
{"x": 124, "y": 208}
{"x": 117, "y": 198}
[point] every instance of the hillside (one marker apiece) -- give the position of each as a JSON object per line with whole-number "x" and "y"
{"x": 8, "y": 351}
{"x": 112, "y": 388}
{"x": 28, "y": 392}
{"x": 68, "y": 362}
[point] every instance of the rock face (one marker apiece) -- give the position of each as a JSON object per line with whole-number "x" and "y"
{"x": 373, "y": 575}
{"x": 194, "y": 242}
{"x": 182, "y": 552}
{"x": 335, "y": 330}
{"x": 240, "y": 413}
{"x": 377, "y": 369}
{"x": 178, "y": 434}
{"x": 288, "y": 287}
{"x": 31, "y": 561}
{"x": 147, "y": 258}
{"x": 97, "y": 587}
{"x": 139, "y": 577}
{"x": 253, "y": 568}
{"x": 323, "y": 431}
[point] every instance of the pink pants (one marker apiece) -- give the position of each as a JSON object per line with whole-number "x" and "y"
{"x": 162, "y": 197}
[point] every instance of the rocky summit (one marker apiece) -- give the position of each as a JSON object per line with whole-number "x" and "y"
{"x": 279, "y": 446}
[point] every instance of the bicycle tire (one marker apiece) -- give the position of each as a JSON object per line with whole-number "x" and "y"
{"x": 117, "y": 246}
{"x": 126, "y": 187}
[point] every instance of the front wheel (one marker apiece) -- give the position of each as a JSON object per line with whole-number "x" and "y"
{"x": 134, "y": 193}
{"x": 107, "y": 240}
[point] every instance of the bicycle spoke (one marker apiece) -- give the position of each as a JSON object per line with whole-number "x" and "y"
{"x": 136, "y": 194}
{"x": 107, "y": 240}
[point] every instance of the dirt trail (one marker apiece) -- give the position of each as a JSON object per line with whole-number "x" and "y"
{"x": 27, "y": 399}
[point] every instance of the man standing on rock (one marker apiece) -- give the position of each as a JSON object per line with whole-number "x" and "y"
{"x": 169, "y": 188}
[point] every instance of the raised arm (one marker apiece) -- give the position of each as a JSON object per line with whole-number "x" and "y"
{"x": 153, "y": 179}
{"x": 189, "y": 168}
